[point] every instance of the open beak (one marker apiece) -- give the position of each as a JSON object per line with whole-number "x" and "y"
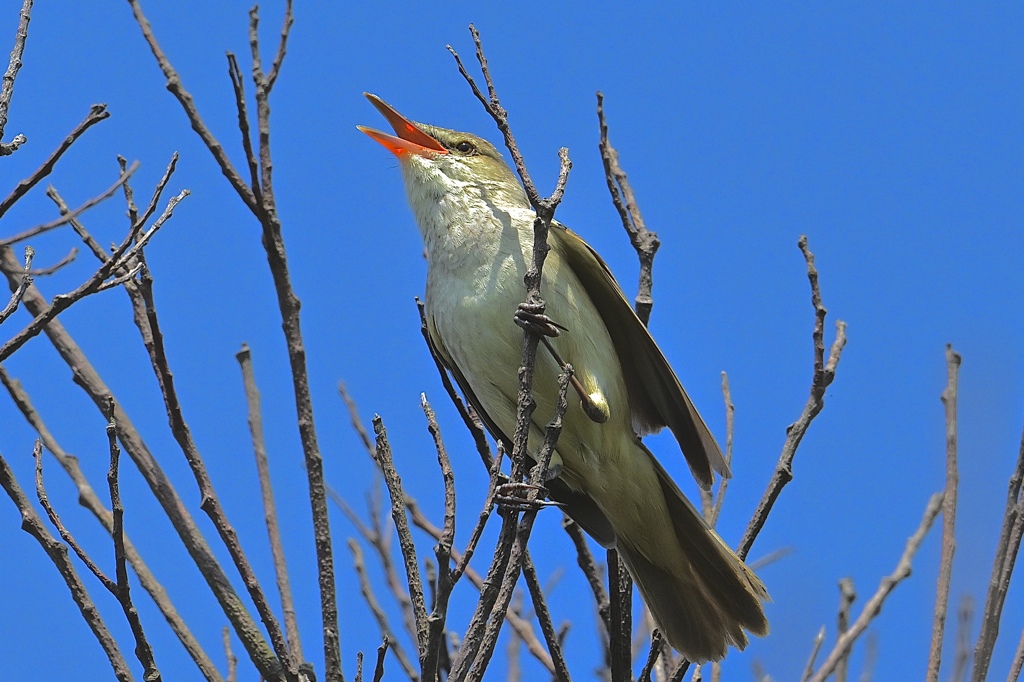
{"x": 408, "y": 139}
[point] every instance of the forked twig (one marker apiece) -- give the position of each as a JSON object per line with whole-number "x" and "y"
{"x": 874, "y": 605}
{"x": 824, "y": 373}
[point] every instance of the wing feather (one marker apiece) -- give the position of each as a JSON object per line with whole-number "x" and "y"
{"x": 656, "y": 396}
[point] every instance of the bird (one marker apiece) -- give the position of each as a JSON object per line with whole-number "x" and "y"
{"x": 477, "y": 227}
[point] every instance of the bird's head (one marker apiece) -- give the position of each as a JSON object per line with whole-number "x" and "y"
{"x": 437, "y": 161}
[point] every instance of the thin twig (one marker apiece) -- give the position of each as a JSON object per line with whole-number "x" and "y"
{"x": 547, "y": 628}
{"x": 518, "y": 552}
{"x": 405, "y": 541}
{"x": 847, "y": 595}
{"x": 58, "y": 553}
{"x": 66, "y": 218}
{"x": 66, "y": 260}
{"x": 122, "y": 590}
{"x": 19, "y": 291}
{"x": 469, "y": 416}
{"x": 65, "y": 534}
{"x": 652, "y": 657}
{"x": 89, "y": 380}
{"x": 593, "y": 573}
{"x": 521, "y": 626}
{"x": 644, "y": 242}
{"x": 97, "y": 113}
{"x": 1018, "y": 661}
{"x": 949, "y": 397}
{"x": 229, "y": 655}
{"x": 7, "y": 85}
{"x": 1002, "y": 570}
{"x": 378, "y": 671}
{"x": 824, "y": 373}
{"x": 149, "y": 326}
{"x": 252, "y": 396}
{"x": 88, "y": 498}
{"x": 874, "y": 605}
{"x": 620, "y": 597}
{"x": 430, "y": 647}
{"x": 121, "y": 255}
{"x": 730, "y": 420}
{"x": 963, "y": 639}
{"x": 378, "y": 613}
{"x": 809, "y": 668}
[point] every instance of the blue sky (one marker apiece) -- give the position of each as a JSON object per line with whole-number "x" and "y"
{"x": 889, "y": 134}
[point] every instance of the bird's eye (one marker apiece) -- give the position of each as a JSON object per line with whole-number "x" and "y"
{"x": 465, "y": 147}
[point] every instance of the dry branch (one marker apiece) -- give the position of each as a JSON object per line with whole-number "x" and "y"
{"x": 7, "y": 84}
{"x": 88, "y": 498}
{"x": 949, "y": 397}
{"x": 89, "y": 380}
{"x": 874, "y": 605}
{"x": 264, "y": 208}
{"x": 1002, "y": 570}
{"x": 252, "y": 396}
{"x": 58, "y": 553}
{"x": 824, "y": 373}
{"x": 97, "y": 113}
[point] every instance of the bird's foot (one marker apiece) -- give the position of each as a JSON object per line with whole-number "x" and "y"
{"x": 531, "y": 317}
{"x": 516, "y": 497}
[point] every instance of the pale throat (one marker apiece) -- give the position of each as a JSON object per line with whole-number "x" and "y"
{"x": 465, "y": 223}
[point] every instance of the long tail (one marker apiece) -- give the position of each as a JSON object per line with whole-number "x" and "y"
{"x": 704, "y": 602}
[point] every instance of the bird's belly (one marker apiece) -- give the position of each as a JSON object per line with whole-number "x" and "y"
{"x": 475, "y": 324}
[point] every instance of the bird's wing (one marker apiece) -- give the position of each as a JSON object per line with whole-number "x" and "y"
{"x": 656, "y": 397}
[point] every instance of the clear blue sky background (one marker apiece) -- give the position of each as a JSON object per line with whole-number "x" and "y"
{"x": 888, "y": 133}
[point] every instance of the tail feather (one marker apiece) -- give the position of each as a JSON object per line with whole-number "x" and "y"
{"x": 705, "y": 603}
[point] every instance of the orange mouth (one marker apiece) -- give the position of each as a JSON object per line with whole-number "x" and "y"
{"x": 409, "y": 138}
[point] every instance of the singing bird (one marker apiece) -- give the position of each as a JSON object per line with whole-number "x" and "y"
{"x": 477, "y": 228}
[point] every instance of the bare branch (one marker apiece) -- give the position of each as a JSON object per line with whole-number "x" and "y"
{"x": 874, "y": 605}
{"x": 518, "y": 552}
{"x": 183, "y": 96}
{"x": 405, "y": 541}
{"x": 121, "y": 255}
{"x": 652, "y": 657}
{"x": 378, "y": 671}
{"x": 949, "y": 397}
{"x": 378, "y": 613}
{"x": 540, "y": 607}
{"x": 644, "y": 242}
{"x": 122, "y": 590}
{"x": 1002, "y": 570}
{"x": 809, "y": 668}
{"x": 469, "y": 416}
{"x": 620, "y": 623}
{"x": 230, "y": 655}
{"x": 58, "y": 553}
{"x": 19, "y": 291}
{"x": 824, "y": 373}
{"x": 1018, "y": 661}
{"x": 963, "y": 639}
{"x": 521, "y": 626}
{"x": 252, "y": 396}
{"x": 289, "y": 19}
{"x": 88, "y": 498}
{"x": 64, "y": 219}
{"x": 846, "y": 597}
{"x": 7, "y": 85}
{"x": 97, "y": 113}
{"x": 148, "y": 323}
{"x": 88, "y": 379}
{"x": 66, "y": 260}
{"x": 592, "y": 572}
